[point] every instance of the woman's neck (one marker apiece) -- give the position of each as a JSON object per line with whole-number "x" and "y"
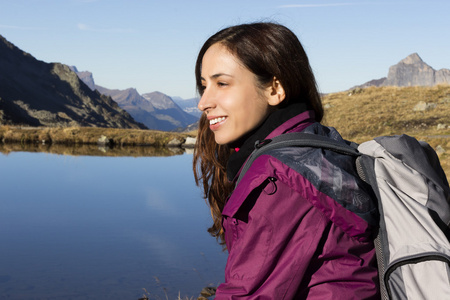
{"x": 245, "y": 144}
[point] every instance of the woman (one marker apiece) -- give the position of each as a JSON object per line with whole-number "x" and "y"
{"x": 291, "y": 232}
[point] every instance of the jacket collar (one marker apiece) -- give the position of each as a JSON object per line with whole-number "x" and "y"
{"x": 280, "y": 121}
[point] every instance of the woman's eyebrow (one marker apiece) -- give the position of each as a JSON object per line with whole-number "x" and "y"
{"x": 217, "y": 75}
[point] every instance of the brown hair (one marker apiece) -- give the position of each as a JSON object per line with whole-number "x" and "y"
{"x": 268, "y": 50}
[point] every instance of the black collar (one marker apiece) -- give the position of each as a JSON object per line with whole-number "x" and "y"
{"x": 246, "y": 144}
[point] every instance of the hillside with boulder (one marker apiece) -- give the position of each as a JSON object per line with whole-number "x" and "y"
{"x": 419, "y": 111}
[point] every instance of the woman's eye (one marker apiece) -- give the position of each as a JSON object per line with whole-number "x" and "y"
{"x": 222, "y": 84}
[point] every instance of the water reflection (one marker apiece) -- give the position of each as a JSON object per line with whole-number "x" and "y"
{"x": 95, "y": 150}
{"x": 85, "y": 227}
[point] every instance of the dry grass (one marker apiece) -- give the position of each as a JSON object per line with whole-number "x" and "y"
{"x": 363, "y": 114}
{"x": 87, "y": 135}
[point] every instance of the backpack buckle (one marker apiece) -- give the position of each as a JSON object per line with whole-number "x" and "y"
{"x": 259, "y": 144}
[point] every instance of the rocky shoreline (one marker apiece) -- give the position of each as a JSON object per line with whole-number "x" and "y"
{"x": 95, "y": 136}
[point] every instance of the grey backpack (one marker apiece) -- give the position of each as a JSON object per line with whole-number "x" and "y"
{"x": 413, "y": 196}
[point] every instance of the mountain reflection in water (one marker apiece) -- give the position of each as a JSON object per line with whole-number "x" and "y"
{"x": 94, "y": 150}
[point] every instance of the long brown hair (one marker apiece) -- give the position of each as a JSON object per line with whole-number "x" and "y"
{"x": 268, "y": 50}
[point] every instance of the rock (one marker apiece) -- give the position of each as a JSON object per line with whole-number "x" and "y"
{"x": 103, "y": 140}
{"x": 440, "y": 150}
{"x": 176, "y": 150}
{"x": 423, "y": 106}
{"x": 189, "y": 150}
{"x": 431, "y": 106}
{"x": 175, "y": 143}
{"x": 327, "y": 106}
{"x": 103, "y": 148}
{"x": 190, "y": 142}
{"x": 207, "y": 292}
{"x": 441, "y": 126}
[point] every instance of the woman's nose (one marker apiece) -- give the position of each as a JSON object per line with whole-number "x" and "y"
{"x": 205, "y": 102}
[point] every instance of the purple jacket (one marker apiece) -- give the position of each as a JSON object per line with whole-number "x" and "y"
{"x": 299, "y": 232}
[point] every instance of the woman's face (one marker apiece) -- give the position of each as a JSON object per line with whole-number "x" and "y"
{"x": 231, "y": 99}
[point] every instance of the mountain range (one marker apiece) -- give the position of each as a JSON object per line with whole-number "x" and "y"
{"x": 188, "y": 105}
{"x": 36, "y": 93}
{"x": 155, "y": 110}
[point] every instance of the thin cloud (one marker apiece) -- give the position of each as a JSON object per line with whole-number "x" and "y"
{"x": 85, "y": 27}
{"x": 21, "y": 27}
{"x": 315, "y": 5}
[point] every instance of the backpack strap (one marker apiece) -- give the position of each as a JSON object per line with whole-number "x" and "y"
{"x": 297, "y": 139}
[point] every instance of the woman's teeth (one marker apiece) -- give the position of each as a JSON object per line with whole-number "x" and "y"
{"x": 216, "y": 120}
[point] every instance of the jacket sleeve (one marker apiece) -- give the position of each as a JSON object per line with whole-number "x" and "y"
{"x": 282, "y": 247}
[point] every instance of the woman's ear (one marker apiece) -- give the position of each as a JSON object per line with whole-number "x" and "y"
{"x": 275, "y": 93}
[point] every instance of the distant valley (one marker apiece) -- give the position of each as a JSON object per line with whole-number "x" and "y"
{"x": 155, "y": 110}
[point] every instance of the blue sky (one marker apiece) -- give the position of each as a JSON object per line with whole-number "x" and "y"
{"x": 152, "y": 45}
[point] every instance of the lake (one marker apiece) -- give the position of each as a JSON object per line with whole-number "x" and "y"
{"x": 99, "y": 227}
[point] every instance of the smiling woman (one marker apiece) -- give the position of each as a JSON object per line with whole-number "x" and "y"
{"x": 231, "y": 100}
{"x": 285, "y": 228}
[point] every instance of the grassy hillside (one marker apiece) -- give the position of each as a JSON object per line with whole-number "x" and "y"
{"x": 362, "y": 114}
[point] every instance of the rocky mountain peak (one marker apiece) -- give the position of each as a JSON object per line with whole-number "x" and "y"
{"x": 159, "y": 100}
{"x": 411, "y": 71}
{"x": 85, "y": 76}
{"x": 412, "y": 59}
{"x": 5, "y": 45}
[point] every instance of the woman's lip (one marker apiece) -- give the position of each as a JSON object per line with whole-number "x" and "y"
{"x": 216, "y": 122}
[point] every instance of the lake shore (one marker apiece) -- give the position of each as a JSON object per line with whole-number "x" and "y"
{"x": 150, "y": 142}
{"x": 94, "y": 136}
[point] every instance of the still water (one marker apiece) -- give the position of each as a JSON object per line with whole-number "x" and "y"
{"x": 89, "y": 227}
